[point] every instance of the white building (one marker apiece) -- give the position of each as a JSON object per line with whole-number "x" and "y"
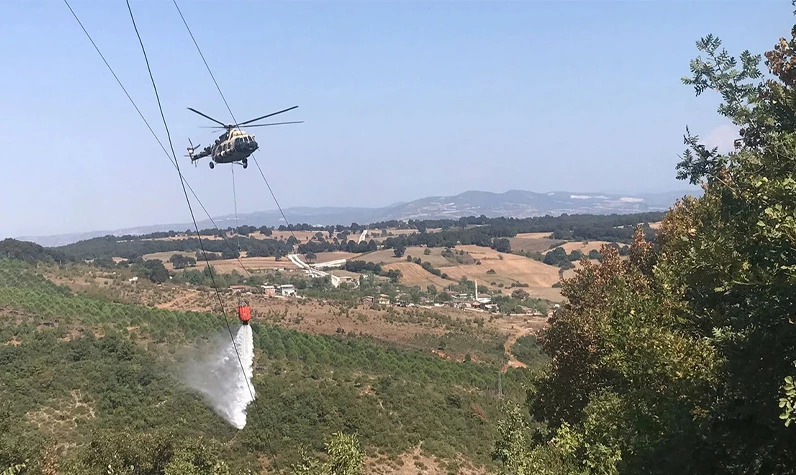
{"x": 287, "y": 290}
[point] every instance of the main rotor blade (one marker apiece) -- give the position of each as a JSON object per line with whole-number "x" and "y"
{"x": 207, "y": 117}
{"x": 265, "y": 116}
{"x": 275, "y": 123}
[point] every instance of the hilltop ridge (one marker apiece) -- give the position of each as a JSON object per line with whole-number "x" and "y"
{"x": 512, "y": 203}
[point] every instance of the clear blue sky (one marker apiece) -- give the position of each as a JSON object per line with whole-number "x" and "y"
{"x": 401, "y": 100}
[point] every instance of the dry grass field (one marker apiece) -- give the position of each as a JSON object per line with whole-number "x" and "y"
{"x": 185, "y": 236}
{"x": 533, "y": 242}
{"x": 387, "y": 256}
{"x": 302, "y": 236}
{"x": 583, "y": 247}
{"x": 511, "y": 269}
{"x": 253, "y": 264}
{"x": 517, "y": 268}
{"x": 322, "y": 257}
{"x": 413, "y": 274}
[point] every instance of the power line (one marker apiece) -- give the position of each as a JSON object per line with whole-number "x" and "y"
{"x": 175, "y": 163}
{"x": 234, "y": 120}
{"x": 157, "y": 139}
{"x": 185, "y": 192}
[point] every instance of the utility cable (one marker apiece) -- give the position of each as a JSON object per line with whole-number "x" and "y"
{"x": 234, "y": 120}
{"x": 157, "y": 139}
{"x": 185, "y": 192}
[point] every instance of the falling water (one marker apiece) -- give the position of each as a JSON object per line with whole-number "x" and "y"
{"x": 218, "y": 377}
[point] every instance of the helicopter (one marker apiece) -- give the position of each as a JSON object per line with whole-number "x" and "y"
{"x": 234, "y": 145}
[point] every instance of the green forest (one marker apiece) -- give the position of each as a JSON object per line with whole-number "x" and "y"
{"x": 680, "y": 358}
{"x": 486, "y": 232}
{"x": 100, "y": 375}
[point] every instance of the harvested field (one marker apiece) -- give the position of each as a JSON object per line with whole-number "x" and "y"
{"x": 331, "y": 256}
{"x": 165, "y": 256}
{"x": 545, "y": 293}
{"x": 533, "y": 242}
{"x": 413, "y": 274}
{"x": 387, "y": 256}
{"x": 345, "y": 273}
{"x": 511, "y": 268}
{"x": 535, "y": 236}
{"x": 180, "y": 237}
{"x": 302, "y": 236}
{"x": 435, "y": 258}
{"x": 583, "y": 247}
{"x": 225, "y": 266}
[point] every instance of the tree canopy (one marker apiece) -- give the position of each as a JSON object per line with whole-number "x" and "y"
{"x": 679, "y": 359}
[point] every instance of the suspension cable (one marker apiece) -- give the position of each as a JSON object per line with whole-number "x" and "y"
{"x": 190, "y": 208}
{"x": 234, "y": 120}
{"x": 157, "y": 139}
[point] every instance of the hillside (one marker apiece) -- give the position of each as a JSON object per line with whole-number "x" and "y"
{"x": 513, "y": 203}
{"x": 437, "y": 253}
{"x": 85, "y": 360}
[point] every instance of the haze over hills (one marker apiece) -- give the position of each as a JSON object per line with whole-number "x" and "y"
{"x": 512, "y": 203}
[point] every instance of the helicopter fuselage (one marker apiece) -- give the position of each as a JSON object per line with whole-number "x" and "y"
{"x": 233, "y": 146}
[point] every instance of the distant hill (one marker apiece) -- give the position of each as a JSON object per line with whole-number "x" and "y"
{"x": 513, "y": 203}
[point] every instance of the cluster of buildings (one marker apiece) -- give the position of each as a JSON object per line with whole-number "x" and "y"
{"x": 284, "y": 290}
{"x": 458, "y": 300}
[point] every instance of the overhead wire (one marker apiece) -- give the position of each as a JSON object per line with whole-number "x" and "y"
{"x": 175, "y": 163}
{"x": 157, "y": 139}
{"x": 185, "y": 192}
{"x": 234, "y": 120}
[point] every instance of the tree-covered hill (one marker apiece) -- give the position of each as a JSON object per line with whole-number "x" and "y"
{"x": 481, "y": 231}
{"x": 78, "y": 374}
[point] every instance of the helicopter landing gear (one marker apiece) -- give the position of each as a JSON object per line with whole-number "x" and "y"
{"x": 245, "y": 163}
{"x": 212, "y": 165}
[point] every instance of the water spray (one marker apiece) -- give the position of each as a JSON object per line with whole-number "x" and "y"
{"x": 219, "y": 379}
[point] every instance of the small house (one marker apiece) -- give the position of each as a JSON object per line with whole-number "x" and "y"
{"x": 384, "y": 299}
{"x": 269, "y": 290}
{"x": 367, "y": 300}
{"x": 287, "y": 290}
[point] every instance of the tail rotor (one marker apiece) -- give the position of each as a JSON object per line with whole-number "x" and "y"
{"x": 191, "y": 150}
